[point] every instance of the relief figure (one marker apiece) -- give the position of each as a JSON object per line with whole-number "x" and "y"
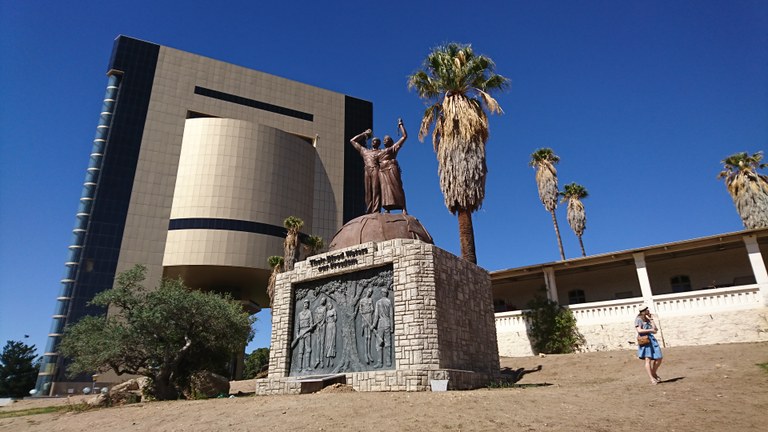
{"x": 330, "y": 336}
{"x": 318, "y": 339}
{"x": 365, "y": 308}
{"x": 304, "y": 336}
{"x": 384, "y": 317}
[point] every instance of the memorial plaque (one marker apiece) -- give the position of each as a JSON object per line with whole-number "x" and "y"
{"x": 343, "y": 324}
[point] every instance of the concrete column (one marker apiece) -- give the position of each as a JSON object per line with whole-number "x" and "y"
{"x": 642, "y": 277}
{"x": 758, "y": 266}
{"x": 549, "y": 279}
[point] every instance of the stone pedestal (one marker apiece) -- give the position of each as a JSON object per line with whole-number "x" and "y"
{"x": 443, "y": 326}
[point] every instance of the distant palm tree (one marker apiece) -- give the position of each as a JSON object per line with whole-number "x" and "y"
{"x": 457, "y": 82}
{"x": 314, "y": 244}
{"x": 748, "y": 189}
{"x": 276, "y": 263}
{"x": 577, "y": 218}
{"x": 291, "y": 249}
{"x": 543, "y": 161}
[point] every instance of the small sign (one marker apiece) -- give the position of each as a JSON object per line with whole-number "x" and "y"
{"x": 339, "y": 260}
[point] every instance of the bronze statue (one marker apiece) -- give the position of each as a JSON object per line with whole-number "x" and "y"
{"x": 370, "y": 160}
{"x": 392, "y": 193}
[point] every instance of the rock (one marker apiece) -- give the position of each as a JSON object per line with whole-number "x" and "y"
{"x": 130, "y": 385}
{"x": 208, "y": 384}
{"x": 126, "y": 392}
{"x": 97, "y": 401}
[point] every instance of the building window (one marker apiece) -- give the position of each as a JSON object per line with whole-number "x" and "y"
{"x": 680, "y": 283}
{"x": 576, "y": 296}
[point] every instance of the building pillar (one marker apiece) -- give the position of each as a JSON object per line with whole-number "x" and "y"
{"x": 549, "y": 280}
{"x": 758, "y": 266}
{"x": 642, "y": 277}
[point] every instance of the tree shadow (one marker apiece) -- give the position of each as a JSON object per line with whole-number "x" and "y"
{"x": 510, "y": 377}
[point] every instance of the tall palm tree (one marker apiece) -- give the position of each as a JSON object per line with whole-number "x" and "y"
{"x": 276, "y": 263}
{"x": 455, "y": 83}
{"x": 543, "y": 161}
{"x": 577, "y": 218}
{"x": 291, "y": 249}
{"x": 748, "y": 189}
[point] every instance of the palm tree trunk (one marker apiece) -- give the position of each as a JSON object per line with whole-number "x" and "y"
{"x": 557, "y": 231}
{"x": 466, "y": 235}
{"x": 581, "y": 243}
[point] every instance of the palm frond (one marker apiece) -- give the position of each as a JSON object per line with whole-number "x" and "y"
{"x": 546, "y": 182}
{"x": 490, "y": 102}
{"x": 577, "y": 217}
{"x": 275, "y": 261}
{"x": 430, "y": 116}
{"x": 573, "y": 190}
{"x": 293, "y": 223}
{"x": 544, "y": 154}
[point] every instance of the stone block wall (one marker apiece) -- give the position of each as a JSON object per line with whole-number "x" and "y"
{"x": 467, "y": 337}
{"x": 443, "y": 318}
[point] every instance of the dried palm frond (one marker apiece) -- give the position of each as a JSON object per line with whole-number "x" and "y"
{"x": 748, "y": 189}
{"x": 543, "y": 160}
{"x": 577, "y": 218}
{"x": 276, "y": 263}
{"x": 291, "y": 243}
{"x": 462, "y": 171}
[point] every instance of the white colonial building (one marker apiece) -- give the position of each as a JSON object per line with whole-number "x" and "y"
{"x": 703, "y": 291}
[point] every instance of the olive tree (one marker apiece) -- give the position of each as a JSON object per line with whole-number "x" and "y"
{"x": 165, "y": 334}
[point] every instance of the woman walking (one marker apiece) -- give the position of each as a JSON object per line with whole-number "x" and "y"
{"x": 647, "y": 346}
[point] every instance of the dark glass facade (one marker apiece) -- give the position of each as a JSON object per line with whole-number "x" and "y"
{"x": 202, "y": 91}
{"x": 100, "y": 220}
{"x": 358, "y": 115}
{"x": 231, "y": 225}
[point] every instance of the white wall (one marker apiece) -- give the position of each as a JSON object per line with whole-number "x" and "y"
{"x": 723, "y": 315}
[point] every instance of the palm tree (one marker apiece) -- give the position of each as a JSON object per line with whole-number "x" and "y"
{"x": 748, "y": 189}
{"x": 291, "y": 244}
{"x": 543, "y": 161}
{"x": 276, "y": 263}
{"x": 577, "y": 218}
{"x": 314, "y": 244}
{"x": 456, "y": 82}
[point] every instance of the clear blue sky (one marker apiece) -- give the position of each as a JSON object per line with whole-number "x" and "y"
{"x": 641, "y": 100}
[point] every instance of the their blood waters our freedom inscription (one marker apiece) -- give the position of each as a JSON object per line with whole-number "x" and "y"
{"x": 343, "y": 323}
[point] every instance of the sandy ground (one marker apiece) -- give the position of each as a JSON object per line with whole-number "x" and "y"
{"x": 714, "y": 388}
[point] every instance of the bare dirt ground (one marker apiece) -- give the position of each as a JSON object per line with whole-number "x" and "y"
{"x": 713, "y": 388}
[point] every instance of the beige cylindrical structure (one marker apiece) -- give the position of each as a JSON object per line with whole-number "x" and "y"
{"x": 237, "y": 181}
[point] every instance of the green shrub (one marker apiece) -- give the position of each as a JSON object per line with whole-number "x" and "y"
{"x": 551, "y": 327}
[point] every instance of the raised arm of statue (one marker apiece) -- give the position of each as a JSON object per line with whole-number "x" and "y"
{"x": 355, "y": 141}
{"x": 403, "y": 133}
